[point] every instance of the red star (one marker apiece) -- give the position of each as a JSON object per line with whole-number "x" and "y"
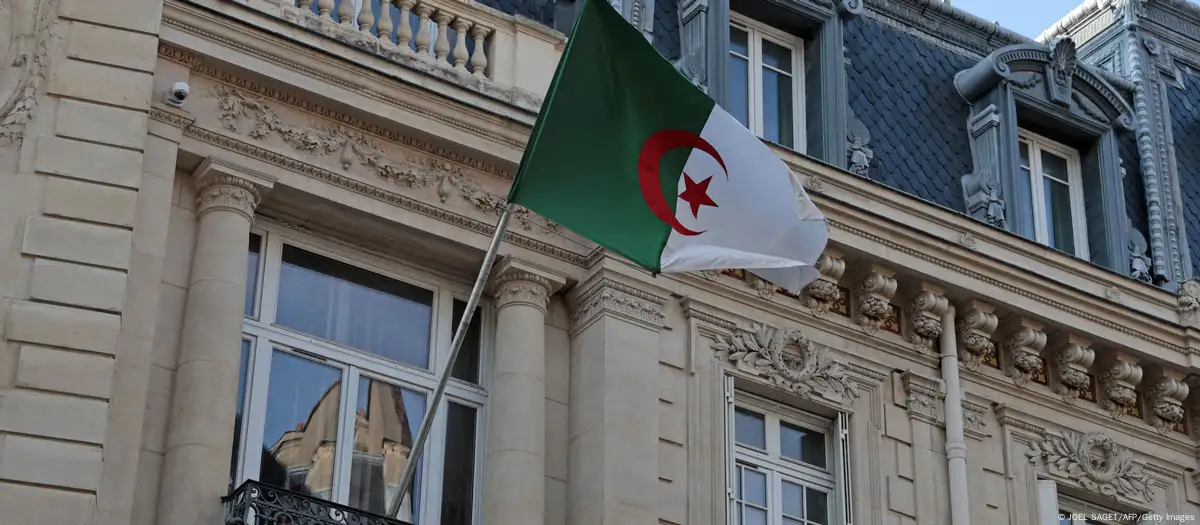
{"x": 696, "y": 194}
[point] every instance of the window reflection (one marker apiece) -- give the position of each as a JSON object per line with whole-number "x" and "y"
{"x": 252, "y": 256}
{"x": 300, "y": 434}
{"x": 466, "y": 366}
{"x": 386, "y": 421}
{"x": 459, "y": 473}
{"x": 354, "y": 307}
{"x": 238, "y": 418}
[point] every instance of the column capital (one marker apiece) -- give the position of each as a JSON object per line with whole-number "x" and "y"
{"x": 221, "y": 184}
{"x": 516, "y": 281}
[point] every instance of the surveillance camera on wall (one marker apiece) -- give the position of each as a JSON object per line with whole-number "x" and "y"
{"x": 177, "y": 94}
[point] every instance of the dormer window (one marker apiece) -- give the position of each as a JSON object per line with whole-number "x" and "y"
{"x": 1054, "y": 189}
{"x": 766, "y": 81}
{"x": 1043, "y": 143}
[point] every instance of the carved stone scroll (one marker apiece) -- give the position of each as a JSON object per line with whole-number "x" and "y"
{"x": 1093, "y": 461}
{"x": 1022, "y": 350}
{"x": 873, "y": 296}
{"x": 1118, "y": 384}
{"x": 975, "y": 326}
{"x": 1166, "y": 391}
{"x": 1072, "y": 356}
{"x": 925, "y": 311}
{"x": 823, "y": 292}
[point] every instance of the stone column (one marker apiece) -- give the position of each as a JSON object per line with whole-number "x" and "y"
{"x": 514, "y": 488}
{"x": 200, "y": 435}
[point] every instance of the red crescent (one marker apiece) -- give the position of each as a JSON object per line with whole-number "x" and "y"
{"x": 650, "y": 179}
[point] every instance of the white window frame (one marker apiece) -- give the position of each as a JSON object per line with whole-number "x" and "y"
{"x": 1055, "y": 509}
{"x": 265, "y": 337}
{"x": 757, "y": 32}
{"x": 1037, "y": 144}
{"x": 834, "y": 478}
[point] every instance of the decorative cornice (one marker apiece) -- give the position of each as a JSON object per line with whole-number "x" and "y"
{"x": 1009, "y": 420}
{"x": 810, "y": 371}
{"x": 518, "y": 287}
{"x": 375, "y": 192}
{"x": 700, "y": 315}
{"x": 1031, "y": 294}
{"x": 607, "y": 296}
{"x": 1093, "y": 461}
{"x": 202, "y": 68}
{"x": 173, "y": 118}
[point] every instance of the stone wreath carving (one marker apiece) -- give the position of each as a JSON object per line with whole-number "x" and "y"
{"x": 239, "y": 110}
{"x": 809, "y": 371}
{"x": 1093, "y": 461}
{"x": 26, "y": 26}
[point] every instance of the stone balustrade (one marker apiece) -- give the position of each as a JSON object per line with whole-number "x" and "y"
{"x": 452, "y": 38}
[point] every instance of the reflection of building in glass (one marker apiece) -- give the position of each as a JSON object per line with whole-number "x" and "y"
{"x": 303, "y": 460}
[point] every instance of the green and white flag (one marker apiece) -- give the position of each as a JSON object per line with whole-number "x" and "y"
{"x": 629, "y": 154}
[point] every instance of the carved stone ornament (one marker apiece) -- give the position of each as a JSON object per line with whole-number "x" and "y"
{"x": 1023, "y": 348}
{"x": 924, "y": 397}
{"x": 1119, "y": 383}
{"x": 807, "y": 370}
{"x": 26, "y": 26}
{"x": 858, "y": 138}
{"x": 1140, "y": 265}
{"x": 975, "y": 328}
{"x": 1071, "y": 362}
{"x": 1189, "y": 302}
{"x": 1166, "y": 402}
{"x": 1094, "y": 462}
{"x": 764, "y": 288}
{"x": 608, "y": 296}
{"x": 518, "y": 287}
{"x": 925, "y": 320}
{"x": 873, "y": 295}
{"x": 819, "y": 295}
{"x": 1061, "y": 68}
{"x": 241, "y": 112}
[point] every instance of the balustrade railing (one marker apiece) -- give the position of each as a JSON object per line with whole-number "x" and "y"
{"x": 255, "y": 503}
{"x": 461, "y": 36}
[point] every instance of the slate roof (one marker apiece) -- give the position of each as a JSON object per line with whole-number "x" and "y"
{"x": 902, "y": 89}
{"x": 1185, "y": 120}
{"x": 666, "y": 28}
{"x": 540, "y": 10}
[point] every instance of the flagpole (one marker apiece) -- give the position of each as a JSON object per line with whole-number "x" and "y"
{"x": 460, "y": 333}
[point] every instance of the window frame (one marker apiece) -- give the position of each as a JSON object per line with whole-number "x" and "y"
{"x": 265, "y": 337}
{"x": 1054, "y": 507}
{"x": 833, "y": 479}
{"x": 756, "y": 32}
{"x": 1037, "y": 144}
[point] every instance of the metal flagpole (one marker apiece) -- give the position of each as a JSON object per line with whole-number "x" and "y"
{"x": 460, "y": 333}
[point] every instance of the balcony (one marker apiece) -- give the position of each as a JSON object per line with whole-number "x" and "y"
{"x": 255, "y": 503}
{"x": 505, "y": 57}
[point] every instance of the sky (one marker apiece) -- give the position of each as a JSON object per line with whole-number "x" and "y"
{"x": 1028, "y": 17}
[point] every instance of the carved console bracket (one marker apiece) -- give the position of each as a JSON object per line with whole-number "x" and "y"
{"x": 925, "y": 311}
{"x": 1094, "y": 462}
{"x": 1071, "y": 357}
{"x": 873, "y": 296}
{"x": 1022, "y": 350}
{"x": 786, "y": 359}
{"x": 823, "y": 292}
{"x": 1118, "y": 384}
{"x": 1166, "y": 390}
{"x": 975, "y": 327}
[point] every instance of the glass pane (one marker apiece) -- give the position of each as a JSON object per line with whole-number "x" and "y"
{"x": 793, "y": 500}
{"x": 755, "y": 487}
{"x": 354, "y": 307}
{"x": 789, "y": 521}
{"x": 817, "y": 506}
{"x": 753, "y": 516}
{"x": 237, "y": 418}
{"x": 466, "y": 367}
{"x": 1024, "y": 148}
{"x": 300, "y": 431}
{"x": 252, "y": 257}
{"x": 1025, "y": 197}
{"x": 802, "y": 445}
{"x": 750, "y": 429}
{"x": 1060, "y": 233}
{"x": 459, "y": 474}
{"x": 739, "y": 41}
{"x": 739, "y": 89}
{"x": 386, "y": 420}
{"x": 776, "y": 56}
{"x": 778, "y": 125}
{"x": 1054, "y": 166}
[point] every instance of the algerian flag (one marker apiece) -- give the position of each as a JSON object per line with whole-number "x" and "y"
{"x": 629, "y": 154}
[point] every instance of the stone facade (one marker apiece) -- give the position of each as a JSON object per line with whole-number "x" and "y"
{"x": 324, "y": 188}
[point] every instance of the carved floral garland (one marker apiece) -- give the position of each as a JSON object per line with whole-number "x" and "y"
{"x": 416, "y": 172}
{"x": 17, "y": 107}
{"x": 1093, "y": 461}
{"x": 761, "y": 351}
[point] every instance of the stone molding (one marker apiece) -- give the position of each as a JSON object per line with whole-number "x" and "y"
{"x": 518, "y": 287}
{"x": 808, "y": 370}
{"x": 690, "y": 312}
{"x": 610, "y": 297}
{"x": 924, "y": 397}
{"x": 1093, "y": 461}
{"x": 222, "y": 185}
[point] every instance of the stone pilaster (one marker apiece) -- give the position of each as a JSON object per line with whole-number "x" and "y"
{"x": 515, "y": 484}
{"x": 200, "y": 431}
{"x": 613, "y": 451}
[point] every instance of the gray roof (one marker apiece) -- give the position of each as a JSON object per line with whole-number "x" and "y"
{"x": 1185, "y": 122}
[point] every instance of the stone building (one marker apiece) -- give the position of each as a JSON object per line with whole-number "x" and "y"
{"x": 235, "y": 236}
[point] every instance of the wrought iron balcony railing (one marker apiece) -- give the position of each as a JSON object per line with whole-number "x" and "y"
{"x": 255, "y": 503}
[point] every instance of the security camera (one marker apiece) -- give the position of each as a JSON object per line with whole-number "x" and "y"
{"x": 177, "y": 94}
